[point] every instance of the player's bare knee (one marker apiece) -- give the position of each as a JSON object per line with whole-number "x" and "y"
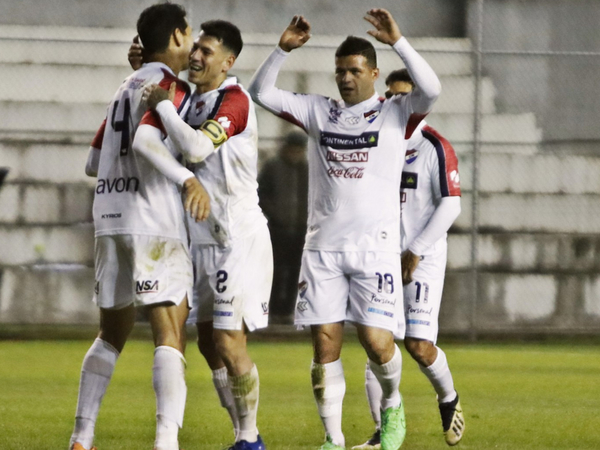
{"x": 421, "y": 350}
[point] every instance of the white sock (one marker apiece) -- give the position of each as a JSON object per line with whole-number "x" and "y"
{"x": 329, "y": 387}
{"x": 96, "y": 371}
{"x": 221, "y": 382}
{"x": 374, "y": 394}
{"x": 389, "y": 375}
{"x": 245, "y": 390}
{"x": 168, "y": 378}
{"x": 440, "y": 377}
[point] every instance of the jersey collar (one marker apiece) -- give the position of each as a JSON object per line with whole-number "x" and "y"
{"x": 365, "y": 105}
{"x": 159, "y": 65}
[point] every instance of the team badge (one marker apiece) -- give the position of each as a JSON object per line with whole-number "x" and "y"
{"x": 334, "y": 115}
{"x": 411, "y": 156}
{"x": 302, "y": 287}
{"x": 199, "y": 107}
{"x": 370, "y": 116}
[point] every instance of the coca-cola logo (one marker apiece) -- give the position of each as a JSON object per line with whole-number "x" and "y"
{"x": 350, "y": 172}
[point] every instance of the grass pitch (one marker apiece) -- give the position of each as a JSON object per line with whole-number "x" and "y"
{"x": 515, "y": 397}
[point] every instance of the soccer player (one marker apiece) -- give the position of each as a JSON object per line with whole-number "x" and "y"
{"x": 232, "y": 256}
{"x": 351, "y": 260}
{"x": 430, "y": 197}
{"x": 141, "y": 254}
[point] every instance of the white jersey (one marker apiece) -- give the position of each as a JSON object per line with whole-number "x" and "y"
{"x": 355, "y": 157}
{"x": 131, "y": 196}
{"x": 229, "y": 174}
{"x": 430, "y": 173}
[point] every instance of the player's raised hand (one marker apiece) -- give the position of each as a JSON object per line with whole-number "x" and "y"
{"x": 386, "y": 29}
{"x": 153, "y": 94}
{"x": 409, "y": 263}
{"x": 197, "y": 201}
{"x": 295, "y": 35}
{"x": 134, "y": 55}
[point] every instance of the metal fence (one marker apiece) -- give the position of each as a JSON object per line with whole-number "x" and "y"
{"x": 519, "y": 105}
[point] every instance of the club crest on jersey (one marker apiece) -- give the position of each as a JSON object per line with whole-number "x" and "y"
{"x": 411, "y": 156}
{"x": 348, "y": 142}
{"x": 302, "y": 287}
{"x": 199, "y": 107}
{"x": 370, "y": 116}
{"x": 334, "y": 115}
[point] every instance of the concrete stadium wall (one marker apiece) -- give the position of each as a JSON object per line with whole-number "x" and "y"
{"x": 562, "y": 91}
{"x": 431, "y": 18}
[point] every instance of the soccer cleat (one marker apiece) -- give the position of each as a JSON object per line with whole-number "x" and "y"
{"x": 329, "y": 445}
{"x": 78, "y": 446}
{"x": 453, "y": 421}
{"x": 245, "y": 445}
{"x": 393, "y": 428}
{"x": 372, "y": 444}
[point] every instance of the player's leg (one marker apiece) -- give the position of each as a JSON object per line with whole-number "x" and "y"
{"x": 327, "y": 378}
{"x": 422, "y": 298}
{"x": 321, "y": 304}
{"x": 113, "y": 294}
{"x": 242, "y": 287}
{"x": 374, "y": 394}
{"x": 376, "y": 309}
{"x": 168, "y": 371}
{"x": 208, "y": 349}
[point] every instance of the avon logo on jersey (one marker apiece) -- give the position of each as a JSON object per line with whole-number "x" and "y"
{"x": 346, "y": 142}
{"x": 347, "y": 157}
{"x": 146, "y": 286}
{"x": 350, "y": 172}
{"x": 411, "y": 156}
{"x": 370, "y": 116}
{"x": 121, "y": 184}
{"x": 409, "y": 180}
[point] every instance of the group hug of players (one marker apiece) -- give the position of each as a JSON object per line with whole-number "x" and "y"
{"x": 179, "y": 230}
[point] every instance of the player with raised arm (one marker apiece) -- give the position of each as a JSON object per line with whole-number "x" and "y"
{"x": 232, "y": 254}
{"x": 351, "y": 261}
{"x": 430, "y": 197}
{"x": 141, "y": 253}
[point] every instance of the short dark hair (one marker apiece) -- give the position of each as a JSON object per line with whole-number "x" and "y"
{"x": 157, "y": 23}
{"x": 353, "y": 45}
{"x": 399, "y": 75}
{"x": 226, "y": 32}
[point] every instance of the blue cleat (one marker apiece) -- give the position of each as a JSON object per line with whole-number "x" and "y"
{"x": 245, "y": 445}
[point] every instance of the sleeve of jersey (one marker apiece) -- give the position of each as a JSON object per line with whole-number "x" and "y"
{"x": 194, "y": 145}
{"x": 182, "y": 94}
{"x": 441, "y": 220}
{"x": 445, "y": 173}
{"x": 427, "y": 84}
{"x": 295, "y": 108}
{"x": 148, "y": 142}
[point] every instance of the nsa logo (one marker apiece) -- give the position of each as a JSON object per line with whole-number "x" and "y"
{"x": 371, "y": 116}
{"x": 146, "y": 286}
{"x": 199, "y": 108}
{"x": 265, "y": 308}
{"x": 411, "y": 156}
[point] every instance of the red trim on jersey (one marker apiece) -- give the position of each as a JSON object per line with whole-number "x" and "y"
{"x": 231, "y": 110}
{"x": 182, "y": 93}
{"x": 413, "y": 122}
{"x": 291, "y": 119}
{"x": 99, "y": 137}
{"x": 448, "y": 162}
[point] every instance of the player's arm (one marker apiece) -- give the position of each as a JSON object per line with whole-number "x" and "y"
{"x": 427, "y": 85}
{"x": 285, "y": 104}
{"x": 148, "y": 143}
{"x": 93, "y": 161}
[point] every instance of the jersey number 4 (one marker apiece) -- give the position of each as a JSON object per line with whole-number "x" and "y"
{"x": 122, "y": 125}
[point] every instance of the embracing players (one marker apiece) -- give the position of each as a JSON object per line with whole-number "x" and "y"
{"x": 141, "y": 253}
{"x": 231, "y": 251}
{"x": 351, "y": 261}
{"x": 430, "y": 196}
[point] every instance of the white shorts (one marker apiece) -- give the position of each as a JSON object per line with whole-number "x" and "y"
{"x": 143, "y": 270}
{"x": 423, "y": 297}
{"x": 233, "y": 284}
{"x": 359, "y": 287}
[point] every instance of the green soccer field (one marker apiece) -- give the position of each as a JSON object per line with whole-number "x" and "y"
{"x": 514, "y": 396}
